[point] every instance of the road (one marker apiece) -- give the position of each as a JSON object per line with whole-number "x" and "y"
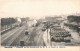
{"x": 9, "y": 37}
{"x": 35, "y": 37}
{"x": 46, "y": 37}
{"x": 13, "y": 37}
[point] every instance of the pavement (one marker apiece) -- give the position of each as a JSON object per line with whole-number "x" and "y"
{"x": 34, "y": 38}
{"x": 9, "y": 37}
{"x": 46, "y": 37}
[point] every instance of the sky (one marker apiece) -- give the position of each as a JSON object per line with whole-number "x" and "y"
{"x": 38, "y": 8}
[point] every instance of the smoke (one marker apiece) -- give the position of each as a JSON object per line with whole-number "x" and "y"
{"x": 18, "y": 19}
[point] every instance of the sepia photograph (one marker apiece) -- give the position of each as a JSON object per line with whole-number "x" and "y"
{"x": 40, "y": 23}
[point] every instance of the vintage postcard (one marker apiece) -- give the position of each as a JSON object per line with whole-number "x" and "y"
{"x": 44, "y": 24}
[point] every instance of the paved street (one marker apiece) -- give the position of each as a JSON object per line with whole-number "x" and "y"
{"x": 13, "y": 37}
{"x": 46, "y": 37}
{"x": 9, "y": 37}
